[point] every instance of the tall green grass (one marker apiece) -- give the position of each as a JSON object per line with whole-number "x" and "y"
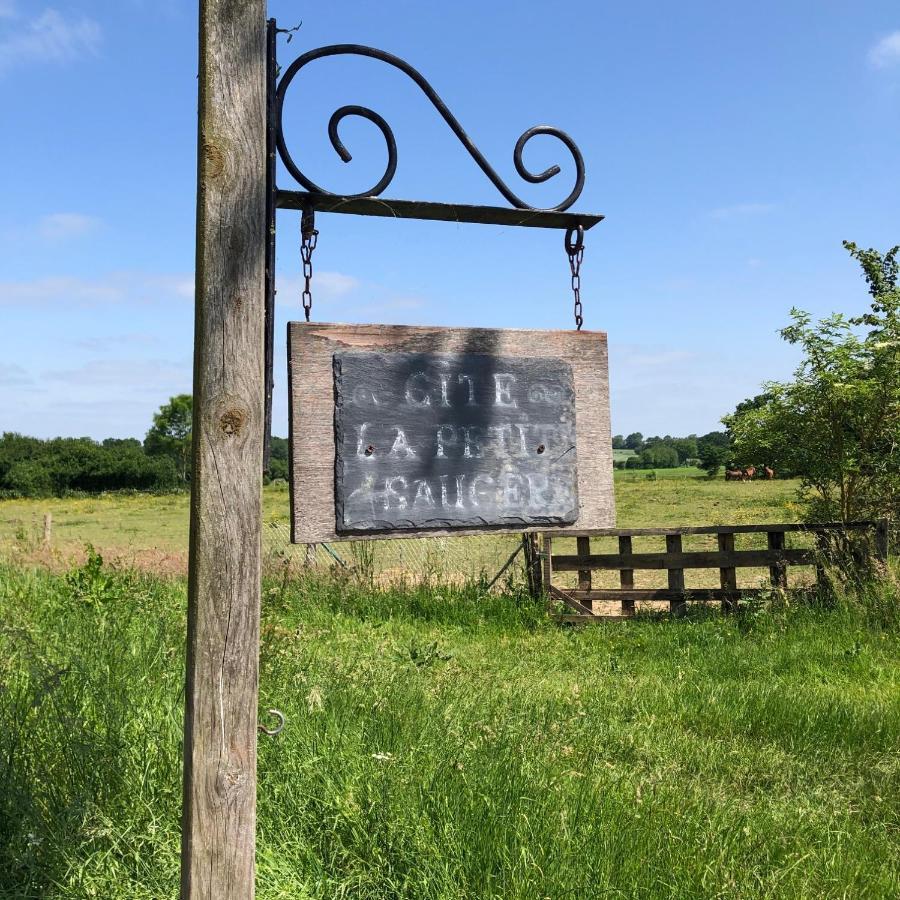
{"x": 445, "y": 744}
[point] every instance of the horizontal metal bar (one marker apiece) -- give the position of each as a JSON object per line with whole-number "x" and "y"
{"x": 439, "y": 212}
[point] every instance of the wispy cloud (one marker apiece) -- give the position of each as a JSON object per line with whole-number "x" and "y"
{"x": 63, "y": 225}
{"x": 12, "y": 375}
{"x": 149, "y": 376}
{"x": 114, "y": 288}
{"x": 325, "y": 285}
{"x": 50, "y": 37}
{"x": 741, "y": 210}
{"x": 886, "y": 52}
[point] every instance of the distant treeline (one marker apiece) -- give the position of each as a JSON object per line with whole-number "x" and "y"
{"x": 30, "y": 467}
{"x": 708, "y": 451}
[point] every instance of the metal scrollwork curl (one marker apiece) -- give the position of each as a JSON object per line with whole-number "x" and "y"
{"x": 339, "y": 115}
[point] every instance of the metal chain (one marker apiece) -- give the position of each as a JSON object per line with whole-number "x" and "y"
{"x": 308, "y": 239}
{"x": 575, "y": 252}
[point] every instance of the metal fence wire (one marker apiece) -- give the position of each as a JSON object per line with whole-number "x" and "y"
{"x": 427, "y": 560}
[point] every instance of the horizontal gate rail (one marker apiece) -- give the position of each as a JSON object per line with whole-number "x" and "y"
{"x": 674, "y": 560}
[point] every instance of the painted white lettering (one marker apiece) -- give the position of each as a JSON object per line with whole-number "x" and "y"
{"x": 445, "y": 379}
{"x": 537, "y": 485}
{"x": 361, "y": 443}
{"x": 503, "y": 390}
{"x": 391, "y": 493}
{"x": 512, "y": 490}
{"x": 363, "y": 396}
{"x": 471, "y": 447}
{"x": 476, "y": 491}
{"x": 446, "y": 434}
{"x": 401, "y": 448}
{"x": 471, "y": 384}
{"x": 459, "y": 491}
{"x": 423, "y": 498}
{"x": 417, "y": 396}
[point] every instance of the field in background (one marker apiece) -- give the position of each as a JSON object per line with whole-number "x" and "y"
{"x": 152, "y": 531}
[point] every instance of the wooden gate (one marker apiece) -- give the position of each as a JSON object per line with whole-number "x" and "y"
{"x": 675, "y": 560}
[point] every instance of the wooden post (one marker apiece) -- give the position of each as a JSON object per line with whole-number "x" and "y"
{"x": 219, "y": 812}
{"x": 728, "y": 574}
{"x": 583, "y": 545}
{"x": 48, "y": 529}
{"x": 533, "y": 564}
{"x": 677, "y": 606}
{"x": 777, "y": 571}
{"x": 626, "y": 576}
{"x": 548, "y": 563}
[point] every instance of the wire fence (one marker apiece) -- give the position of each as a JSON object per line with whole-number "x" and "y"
{"x": 427, "y": 560}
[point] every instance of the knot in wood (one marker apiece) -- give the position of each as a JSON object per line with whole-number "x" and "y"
{"x": 232, "y": 421}
{"x": 215, "y": 160}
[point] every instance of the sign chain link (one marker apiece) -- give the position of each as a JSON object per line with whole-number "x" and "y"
{"x": 575, "y": 252}
{"x": 308, "y": 239}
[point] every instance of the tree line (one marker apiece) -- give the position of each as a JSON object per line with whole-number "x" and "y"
{"x": 708, "y": 451}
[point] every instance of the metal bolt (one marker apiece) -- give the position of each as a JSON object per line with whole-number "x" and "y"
{"x": 540, "y": 448}
{"x": 370, "y": 450}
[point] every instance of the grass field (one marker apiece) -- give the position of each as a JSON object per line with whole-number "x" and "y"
{"x": 444, "y": 743}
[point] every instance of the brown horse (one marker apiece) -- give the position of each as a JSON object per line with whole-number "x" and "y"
{"x": 750, "y": 471}
{"x": 734, "y": 474}
{"x": 769, "y": 473}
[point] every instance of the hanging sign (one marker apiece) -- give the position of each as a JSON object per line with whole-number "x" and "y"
{"x": 399, "y": 431}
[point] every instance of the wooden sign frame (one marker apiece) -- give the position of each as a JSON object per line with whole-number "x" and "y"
{"x": 311, "y": 351}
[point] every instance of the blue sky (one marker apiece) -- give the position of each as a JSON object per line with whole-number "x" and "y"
{"x": 731, "y": 147}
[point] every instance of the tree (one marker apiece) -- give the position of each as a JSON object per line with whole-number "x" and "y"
{"x": 634, "y": 441}
{"x": 170, "y": 434}
{"x": 713, "y": 457}
{"x": 618, "y": 442}
{"x": 837, "y": 424}
{"x": 659, "y": 456}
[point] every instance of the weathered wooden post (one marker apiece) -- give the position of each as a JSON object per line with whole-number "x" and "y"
{"x": 219, "y": 814}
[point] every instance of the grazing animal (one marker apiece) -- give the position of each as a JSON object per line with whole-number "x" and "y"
{"x": 734, "y": 475}
{"x": 769, "y": 473}
{"x": 750, "y": 471}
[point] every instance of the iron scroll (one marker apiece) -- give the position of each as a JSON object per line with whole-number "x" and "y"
{"x": 372, "y": 116}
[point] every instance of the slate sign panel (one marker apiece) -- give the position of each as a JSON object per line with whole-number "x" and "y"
{"x": 453, "y": 440}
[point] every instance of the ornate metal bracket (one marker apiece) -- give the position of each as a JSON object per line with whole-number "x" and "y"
{"x": 369, "y": 202}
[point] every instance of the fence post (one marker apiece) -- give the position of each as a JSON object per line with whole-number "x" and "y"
{"x": 48, "y": 528}
{"x": 677, "y": 606}
{"x": 626, "y": 576}
{"x": 532, "y": 564}
{"x": 778, "y": 570}
{"x": 584, "y": 575}
{"x": 548, "y": 563}
{"x": 727, "y": 574}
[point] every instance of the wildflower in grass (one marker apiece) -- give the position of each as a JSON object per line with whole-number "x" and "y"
{"x": 315, "y": 702}
{"x": 383, "y": 757}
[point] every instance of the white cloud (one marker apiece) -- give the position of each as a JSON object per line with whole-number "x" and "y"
{"x": 50, "y": 37}
{"x": 325, "y": 285}
{"x": 886, "y": 52}
{"x": 59, "y": 226}
{"x": 12, "y": 375}
{"x": 153, "y": 376}
{"x": 740, "y": 210}
{"x": 113, "y": 288}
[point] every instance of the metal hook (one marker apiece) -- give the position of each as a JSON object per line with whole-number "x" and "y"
{"x": 573, "y": 246}
{"x": 273, "y": 731}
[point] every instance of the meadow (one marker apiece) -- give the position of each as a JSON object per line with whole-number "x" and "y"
{"x": 443, "y": 742}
